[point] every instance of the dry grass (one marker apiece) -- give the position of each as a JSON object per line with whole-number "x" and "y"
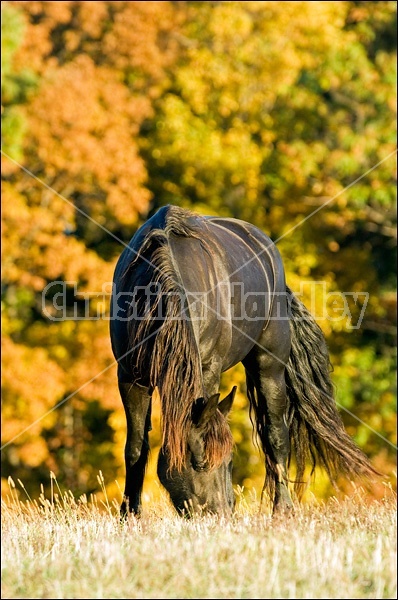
{"x": 67, "y": 548}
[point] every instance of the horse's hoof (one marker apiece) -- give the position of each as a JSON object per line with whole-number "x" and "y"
{"x": 126, "y": 511}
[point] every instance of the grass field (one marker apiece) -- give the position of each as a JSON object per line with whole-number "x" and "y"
{"x": 67, "y": 548}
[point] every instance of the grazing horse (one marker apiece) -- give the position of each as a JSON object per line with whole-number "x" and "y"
{"x": 193, "y": 296}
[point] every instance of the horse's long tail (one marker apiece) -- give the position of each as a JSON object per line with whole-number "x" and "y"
{"x": 317, "y": 432}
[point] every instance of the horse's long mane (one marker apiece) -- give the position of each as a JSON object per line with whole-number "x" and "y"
{"x": 163, "y": 343}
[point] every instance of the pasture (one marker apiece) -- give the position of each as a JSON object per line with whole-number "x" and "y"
{"x": 64, "y": 547}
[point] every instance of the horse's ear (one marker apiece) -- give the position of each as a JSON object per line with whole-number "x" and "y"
{"x": 203, "y": 411}
{"x": 225, "y": 405}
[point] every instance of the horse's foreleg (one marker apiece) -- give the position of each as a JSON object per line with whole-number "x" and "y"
{"x": 137, "y": 406}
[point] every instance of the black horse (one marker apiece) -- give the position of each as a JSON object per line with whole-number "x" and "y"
{"x": 192, "y": 297}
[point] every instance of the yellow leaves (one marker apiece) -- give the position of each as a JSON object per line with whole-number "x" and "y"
{"x": 203, "y": 148}
{"x": 230, "y": 23}
{"x": 84, "y": 121}
{"x": 32, "y": 384}
{"x": 93, "y": 18}
{"x": 33, "y": 453}
{"x": 133, "y": 41}
{"x": 273, "y": 41}
{"x": 36, "y": 248}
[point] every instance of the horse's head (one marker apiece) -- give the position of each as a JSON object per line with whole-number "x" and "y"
{"x": 199, "y": 486}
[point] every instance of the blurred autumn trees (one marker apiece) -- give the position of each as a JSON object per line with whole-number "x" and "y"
{"x": 273, "y": 112}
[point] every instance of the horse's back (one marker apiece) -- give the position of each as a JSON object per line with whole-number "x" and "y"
{"x": 247, "y": 246}
{"x": 228, "y": 269}
{"x": 231, "y": 272}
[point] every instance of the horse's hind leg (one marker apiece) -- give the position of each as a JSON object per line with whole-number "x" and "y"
{"x": 137, "y": 406}
{"x": 265, "y": 371}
